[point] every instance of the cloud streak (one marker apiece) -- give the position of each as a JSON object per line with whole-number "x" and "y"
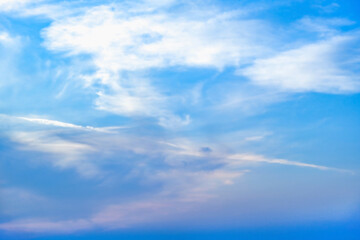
{"x": 317, "y": 67}
{"x": 240, "y": 158}
{"x": 190, "y": 174}
{"x": 65, "y": 153}
{"x": 186, "y": 76}
{"x": 120, "y": 44}
{"x": 55, "y": 123}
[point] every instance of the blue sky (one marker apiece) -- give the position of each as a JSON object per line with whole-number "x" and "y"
{"x": 169, "y": 119}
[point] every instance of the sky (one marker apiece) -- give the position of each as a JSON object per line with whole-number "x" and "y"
{"x": 180, "y": 119}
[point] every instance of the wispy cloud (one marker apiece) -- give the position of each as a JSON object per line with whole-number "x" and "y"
{"x": 36, "y": 225}
{"x": 124, "y": 55}
{"x": 115, "y": 216}
{"x": 190, "y": 174}
{"x": 10, "y": 46}
{"x": 123, "y": 43}
{"x": 135, "y": 38}
{"x": 65, "y": 153}
{"x": 241, "y": 158}
{"x": 10, "y": 5}
{"x": 5, "y": 38}
{"x": 190, "y": 189}
{"x": 234, "y": 160}
{"x": 55, "y": 123}
{"x": 34, "y": 8}
{"x": 316, "y": 67}
{"x": 324, "y": 26}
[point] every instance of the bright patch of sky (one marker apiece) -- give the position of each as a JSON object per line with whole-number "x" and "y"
{"x": 178, "y": 115}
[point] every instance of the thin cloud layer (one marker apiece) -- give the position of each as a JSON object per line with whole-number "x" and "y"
{"x": 125, "y": 115}
{"x": 318, "y": 67}
{"x": 9, "y": 5}
{"x": 119, "y": 42}
{"x": 64, "y": 153}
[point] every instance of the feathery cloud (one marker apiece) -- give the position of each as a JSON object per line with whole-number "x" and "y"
{"x": 317, "y": 67}
{"x": 65, "y": 153}
{"x": 121, "y": 43}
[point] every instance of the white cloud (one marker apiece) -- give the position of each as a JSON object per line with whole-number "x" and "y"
{"x": 10, "y": 47}
{"x": 183, "y": 189}
{"x": 319, "y": 67}
{"x": 189, "y": 176}
{"x": 183, "y": 147}
{"x": 123, "y": 44}
{"x": 239, "y": 159}
{"x": 120, "y": 42}
{"x": 9, "y": 5}
{"x": 5, "y": 38}
{"x": 233, "y": 161}
{"x": 113, "y": 216}
{"x": 67, "y": 153}
{"x": 254, "y": 138}
{"x": 64, "y": 153}
{"x": 55, "y": 123}
{"x": 332, "y": 7}
{"x": 196, "y": 186}
{"x": 38, "y": 225}
{"x": 51, "y": 122}
{"x": 324, "y": 26}
{"x": 43, "y": 8}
